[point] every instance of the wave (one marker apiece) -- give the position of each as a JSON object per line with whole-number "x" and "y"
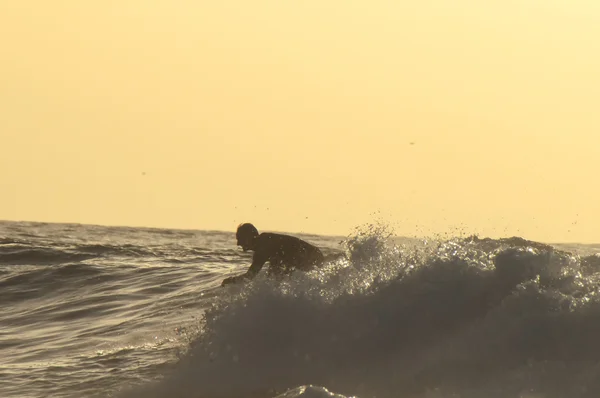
{"x": 10, "y": 241}
{"x": 35, "y": 256}
{"x": 309, "y": 392}
{"x": 126, "y": 250}
{"x": 41, "y": 281}
{"x": 158, "y": 251}
{"x": 471, "y": 317}
{"x": 14, "y": 252}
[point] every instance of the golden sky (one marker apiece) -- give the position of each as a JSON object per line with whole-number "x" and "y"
{"x": 299, "y": 115}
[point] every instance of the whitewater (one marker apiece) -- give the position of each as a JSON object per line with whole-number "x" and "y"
{"x": 93, "y": 311}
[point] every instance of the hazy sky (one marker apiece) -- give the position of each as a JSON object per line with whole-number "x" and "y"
{"x": 299, "y": 115}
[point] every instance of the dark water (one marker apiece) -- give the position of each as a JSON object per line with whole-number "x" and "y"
{"x": 98, "y": 311}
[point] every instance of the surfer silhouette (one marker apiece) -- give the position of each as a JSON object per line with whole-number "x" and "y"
{"x": 284, "y": 253}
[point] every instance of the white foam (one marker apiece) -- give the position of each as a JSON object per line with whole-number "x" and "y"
{"x": 392, "y": 321}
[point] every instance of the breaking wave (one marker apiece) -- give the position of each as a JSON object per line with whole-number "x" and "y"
{"x": 474, "y": 317}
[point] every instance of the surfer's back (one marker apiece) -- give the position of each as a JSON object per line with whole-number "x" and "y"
{"x": 284, "y": 253}
{"x": 287, "y": 251}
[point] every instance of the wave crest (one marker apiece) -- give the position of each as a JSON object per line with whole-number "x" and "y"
{"x": 476, "y": 315}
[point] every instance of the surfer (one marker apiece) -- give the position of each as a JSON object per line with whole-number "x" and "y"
{"x": 284, "y": 253}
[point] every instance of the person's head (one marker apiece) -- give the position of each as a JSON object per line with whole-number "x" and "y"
{"x": 245, "y": 235}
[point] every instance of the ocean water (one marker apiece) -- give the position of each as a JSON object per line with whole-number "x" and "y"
{"x": 90, "y": 311}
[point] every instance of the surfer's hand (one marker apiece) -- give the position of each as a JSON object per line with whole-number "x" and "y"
{"x": 230, "y": 280}
{"x": 227, "y": 281}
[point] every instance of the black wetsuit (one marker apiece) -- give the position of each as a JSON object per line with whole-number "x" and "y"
{"x": 284, "y": 253}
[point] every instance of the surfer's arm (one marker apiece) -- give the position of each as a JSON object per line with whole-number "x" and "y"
{"x": 257, "y": 263}
{"x": 258, "y": 260}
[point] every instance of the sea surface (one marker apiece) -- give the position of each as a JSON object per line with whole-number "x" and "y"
{"x": 92, "y": 311}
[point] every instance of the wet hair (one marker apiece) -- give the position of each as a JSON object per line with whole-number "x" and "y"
{"x": 245, "y": 230}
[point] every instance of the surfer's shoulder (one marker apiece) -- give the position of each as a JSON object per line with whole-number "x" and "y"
{"x": 269, "y": 239}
